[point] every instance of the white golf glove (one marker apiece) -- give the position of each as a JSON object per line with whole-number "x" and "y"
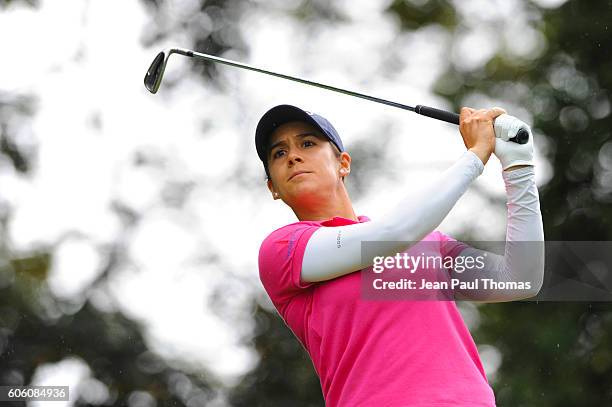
{"x": 509, "y": 152}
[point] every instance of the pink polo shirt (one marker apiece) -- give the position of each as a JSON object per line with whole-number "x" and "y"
{"x": 373, "y": 353}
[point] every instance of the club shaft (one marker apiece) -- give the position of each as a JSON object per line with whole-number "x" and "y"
{"x": 291, "y": 78}
{"x": 154, "y": 75}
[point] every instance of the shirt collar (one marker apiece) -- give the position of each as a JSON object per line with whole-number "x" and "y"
{"x": 340, "y": 221}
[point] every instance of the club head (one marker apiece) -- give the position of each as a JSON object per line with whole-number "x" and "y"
{"x": 154, "y": 75}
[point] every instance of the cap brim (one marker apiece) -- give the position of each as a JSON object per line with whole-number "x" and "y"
{"x": 276, "y": 117}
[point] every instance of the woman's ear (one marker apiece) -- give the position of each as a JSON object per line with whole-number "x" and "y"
{"x": 345, "y": 164}
{"x": 275, "y": 194}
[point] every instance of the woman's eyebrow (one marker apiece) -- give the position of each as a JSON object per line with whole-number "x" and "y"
{"x": 301, "y": 135}
{"x": 278, "y": 143}
{"x": 310, "y": 133}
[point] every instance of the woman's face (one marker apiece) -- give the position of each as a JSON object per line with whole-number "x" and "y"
{"x": 303, "y": 164}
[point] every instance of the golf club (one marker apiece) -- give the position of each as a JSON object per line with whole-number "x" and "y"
{"x": 155, "y": 73}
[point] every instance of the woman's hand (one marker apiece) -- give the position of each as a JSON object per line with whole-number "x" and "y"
{"x": 512, "y": 155}
{"x": 476, "y": 127}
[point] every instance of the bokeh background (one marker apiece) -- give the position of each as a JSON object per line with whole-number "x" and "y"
{"x": 130, "y": 223}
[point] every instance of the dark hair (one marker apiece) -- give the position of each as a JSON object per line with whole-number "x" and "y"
{"x": 337, "y": 153}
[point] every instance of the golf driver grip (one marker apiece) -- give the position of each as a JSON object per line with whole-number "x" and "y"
{"x": 432, "y": 112}
{"x": 521, "y": 137}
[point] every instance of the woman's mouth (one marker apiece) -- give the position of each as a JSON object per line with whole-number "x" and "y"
{"x": 297, "y": 173}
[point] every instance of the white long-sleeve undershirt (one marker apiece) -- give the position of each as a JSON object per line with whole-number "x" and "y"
{"x": 523, "y": 259}
{"x": 335, "y": 251}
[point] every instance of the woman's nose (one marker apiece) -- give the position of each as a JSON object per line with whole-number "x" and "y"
{"x": 294, "y": 157}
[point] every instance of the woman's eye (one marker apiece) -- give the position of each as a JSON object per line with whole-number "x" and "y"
{"x": 308, "y": 143}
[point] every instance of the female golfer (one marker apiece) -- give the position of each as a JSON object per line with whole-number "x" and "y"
{"x": 388, "y": 353}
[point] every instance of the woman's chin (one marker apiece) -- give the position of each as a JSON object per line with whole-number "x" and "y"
{"x": 308, "y": 192}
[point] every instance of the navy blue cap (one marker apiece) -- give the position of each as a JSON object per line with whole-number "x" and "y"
{"x": 282, "y": 114}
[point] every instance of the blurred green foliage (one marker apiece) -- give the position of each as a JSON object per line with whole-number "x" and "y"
{"x": 38, "y": 329}
{"x": 414, "y": 16}
{"x": 8, "y": 3}
{"x": 284, "y": 376}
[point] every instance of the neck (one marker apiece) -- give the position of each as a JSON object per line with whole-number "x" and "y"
{"x": 338, "y": 204}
